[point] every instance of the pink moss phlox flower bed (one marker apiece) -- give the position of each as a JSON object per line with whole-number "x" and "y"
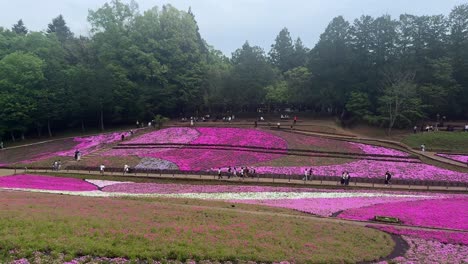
{"x": 85, "y": 145}
{"x": 443, "y": 213}
{"x": 203, "y": 159}
{"x": 28, "y": 181}
{"x": 441, "y": 236}
{"x": 239, "y": 137}
{"x": 168, "y": 135}
{"x": 188, "y": 188}
{"x": 327, "y": 206}
{"x": 430, "y": 251}
{"x": 89, "y": 144}
{"x": 376, "y": 150}
{"x": 200, "y": 159}
{"x": 457, "y": 157}
{"x": 376, "y": 169}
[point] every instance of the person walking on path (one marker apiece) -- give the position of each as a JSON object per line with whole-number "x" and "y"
{"x": 78, "y": 156}
{"x": 1, "y": 144}
{"x": 423, "y": 147}
{"x": 343, "y": 178}
{"x": 348, "y": 177}
{"x": 306, "y": 175}
{"x": 415, "y": 129}
{"x": 295, "y": 120}
{"x": 122, "y": 137}
{"x": 126, "y": 168}
{"x": 388, "y": 177}
{"x": 219, "y": 174}
{"x": 102, "y": 168}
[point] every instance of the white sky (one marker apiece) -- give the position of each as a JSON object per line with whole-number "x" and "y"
{"x": 227, "y": 24}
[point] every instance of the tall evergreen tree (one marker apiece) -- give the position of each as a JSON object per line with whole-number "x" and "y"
{"x": 20, "y": 28}
{"x": 282, "y": 52}
{"x": 60, "y": 28}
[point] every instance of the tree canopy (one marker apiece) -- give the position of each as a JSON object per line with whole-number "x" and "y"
{"x": 136, "y": 65}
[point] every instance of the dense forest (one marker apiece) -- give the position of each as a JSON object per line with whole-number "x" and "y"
{"x": 135, "y": 65}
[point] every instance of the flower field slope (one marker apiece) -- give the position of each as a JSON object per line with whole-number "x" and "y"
{"x": 40, "y": 182}
{"x": 443, "y": 213}
{"x": 58, "y": 148}
{"x": 174, "y": 219}
{"x": 376, "y": 169}
{"x": 431, "y": 251}
{"x": 158, "y": 229}
{"x": 457, "y": 157}
{"x": 168, "y": 135}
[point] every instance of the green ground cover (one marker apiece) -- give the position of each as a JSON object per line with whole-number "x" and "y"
{"x": 158, "y": 229}
{"x": 439, "y": 141}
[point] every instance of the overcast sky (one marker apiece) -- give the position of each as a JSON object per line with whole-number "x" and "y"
{"x": 227, "y": 24}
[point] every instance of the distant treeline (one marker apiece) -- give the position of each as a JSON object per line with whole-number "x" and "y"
{"x": 136, "y": 65}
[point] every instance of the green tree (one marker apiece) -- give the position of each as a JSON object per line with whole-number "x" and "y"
{"x": 60, "y": 29}
{"x": 282, "y": 52}
{"x": 459, "y": 52}
{"x": 330, "y": 61}
{"x": 358, "y": 105}
{"x": 19, "y": 28}
{"x": 21, "y": 76}
{"x": 399, "y": 104}
{"x": 250, "y": 74}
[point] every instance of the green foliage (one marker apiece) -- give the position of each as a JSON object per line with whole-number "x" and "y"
{"x": 277, "y": 93}
{"x": 359, "y": 105}
{"x": 19, "y": 28}
{"x": 137, "y": 64}
{"x": 160, "y": 120}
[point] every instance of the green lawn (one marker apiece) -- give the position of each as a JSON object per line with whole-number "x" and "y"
{"x": 68, "y": 226}
{"x": 439, "y": 141}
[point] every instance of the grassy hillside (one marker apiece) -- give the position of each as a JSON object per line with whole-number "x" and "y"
{"x": 439, "y": 141}
{"x": 159, "y": 229}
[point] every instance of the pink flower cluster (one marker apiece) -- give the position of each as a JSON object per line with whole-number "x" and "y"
{"x": 327, "y": 206}
{"x": 239, "y": 137}
{"x": 376, "y": 150}
{"x": 376, "y": 169}
{"x": 430, "y": 251}
{"x": 205, "y": 159}
{"x": 168, "y": 135}
{"x": 441, "y": 236}
{"x": 443, "y": 213}
{"x": 457, "y": 157}
{"x": 28, "y": 181}
{"x": 89, "y": 144}
{"x": 85, "y": 145}
{"x": 189, "y": 188}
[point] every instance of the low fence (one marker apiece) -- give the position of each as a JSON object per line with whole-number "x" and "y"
{"x": 273, "y": 177}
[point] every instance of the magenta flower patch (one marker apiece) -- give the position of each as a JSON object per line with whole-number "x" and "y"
{"x": 376, "y": 150}
{"x": 202, "y": 158}
{"x": 431, "y": 251}
{"x": 188, "y": 188}
{"x": 444, "y": 213}
{"x": 441, "y": 236}
{"x": 327, "y": 206}
{"x": 28, "y": 181}
{"x": 456, "y": 157}
{"x": 168, "y": 135}
{"x": 377, "y": 169}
